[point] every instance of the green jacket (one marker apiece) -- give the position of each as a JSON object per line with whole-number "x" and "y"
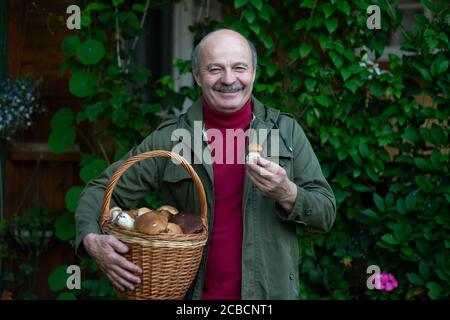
{"x": 270, "y": 245}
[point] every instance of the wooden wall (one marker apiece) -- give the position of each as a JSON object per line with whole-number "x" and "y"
{"x": 35, "y": 33}
{"x": 35, "y": 175}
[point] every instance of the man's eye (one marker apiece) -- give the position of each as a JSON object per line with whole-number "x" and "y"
{"x": 241, "y": 68}
{"x": 214, "y": 70}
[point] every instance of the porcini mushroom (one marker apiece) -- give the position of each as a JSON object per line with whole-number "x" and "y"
{"x": 114, "y": 212}
{"x": 151, "y": 223}
{"x": 125, "y": 221}
{"x": 188, "y": 222}
{"x": 254, "y": 150}
{"x": 173, "y": 228}
{"x": 142, "y": 210}
{"x": 133, "y": 213}
{"x": 171, "y": 209}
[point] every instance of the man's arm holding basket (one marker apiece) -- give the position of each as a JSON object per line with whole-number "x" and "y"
{"x": 133, "y": 186}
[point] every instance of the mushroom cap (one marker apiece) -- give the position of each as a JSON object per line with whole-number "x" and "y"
{"x": 164, "y": 213}
{"x": 173, "y": 228}
{"x": 142, "y": 210}
{"x": 188, "y": 221}
{"x": 114, "y": 212}
{"x": 171, "y": 209}
{"x": 133, "y": 213}
{"x": 125, "y": 221}
{"x": 254, "y": 147}
{"x": 151, "y": 223}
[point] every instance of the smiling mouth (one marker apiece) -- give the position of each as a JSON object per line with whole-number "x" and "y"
{"x": 230, "y": 92}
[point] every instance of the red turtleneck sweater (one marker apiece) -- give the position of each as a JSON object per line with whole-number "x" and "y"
{"x": 224, "y": 265}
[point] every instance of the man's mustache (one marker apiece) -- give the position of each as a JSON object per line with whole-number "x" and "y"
{"x": 235, "y": 87}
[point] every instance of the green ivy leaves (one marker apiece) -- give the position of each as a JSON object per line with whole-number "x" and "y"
{"x": 65, "y": 227}
{"x": 63, "y": 133}
{"x": 58, "y": 278}
{"x": 72, "y": 197}
{"x": 90, "y": 52}
{"x": 439, "y": 65}
{"x": 92, "y": 170}
{"x": 82, "y": 84}
{"x": 331, "y": 24}
{"x": 70, "y": 45}
{"x": 305, "y": 50}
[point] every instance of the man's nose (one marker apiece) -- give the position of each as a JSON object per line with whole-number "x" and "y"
{"x": 228, "y": 77}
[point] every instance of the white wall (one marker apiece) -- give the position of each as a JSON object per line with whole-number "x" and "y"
{"x": 185, "y": 14}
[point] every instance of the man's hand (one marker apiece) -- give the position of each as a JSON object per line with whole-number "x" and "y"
{"x": 107, "y": 250}
{"x": 272, "y": 181}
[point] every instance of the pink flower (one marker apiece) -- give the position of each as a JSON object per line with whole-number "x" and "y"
{"x": 385, "y": 282}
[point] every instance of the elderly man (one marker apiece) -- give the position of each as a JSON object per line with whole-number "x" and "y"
{"x": 254, "y": 208}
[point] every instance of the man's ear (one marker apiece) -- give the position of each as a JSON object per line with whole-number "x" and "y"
{"x": 197, "y": 79}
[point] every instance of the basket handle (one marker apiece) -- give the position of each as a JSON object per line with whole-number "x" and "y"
{"x": 147, "y": 155}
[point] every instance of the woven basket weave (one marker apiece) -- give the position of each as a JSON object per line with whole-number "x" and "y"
{"x": 169, "y": 262}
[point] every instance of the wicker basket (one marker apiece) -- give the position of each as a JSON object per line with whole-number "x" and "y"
{"x": 169, "y": 262}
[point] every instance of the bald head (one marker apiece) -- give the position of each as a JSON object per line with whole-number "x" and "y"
{"x": 225, "y": 36}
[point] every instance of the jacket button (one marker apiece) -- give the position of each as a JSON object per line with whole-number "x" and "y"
{"x": 308, "y": 212}
{"x": 291, "y": 276}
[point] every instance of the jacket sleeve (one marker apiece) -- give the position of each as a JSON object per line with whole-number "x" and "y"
{"x": 132, "y": 187}
{"x": 315, "y": 205}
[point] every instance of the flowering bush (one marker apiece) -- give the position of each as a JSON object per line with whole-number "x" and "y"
{"x": 19, "y": 103}
{"x": 385, "y": 282}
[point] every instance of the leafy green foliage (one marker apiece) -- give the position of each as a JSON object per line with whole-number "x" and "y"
{"x": 65, "y": 227}
{"x": 58, "y": 278}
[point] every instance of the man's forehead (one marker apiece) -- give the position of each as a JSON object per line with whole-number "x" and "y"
{"x": 234, "y": 51}
{"x": 224, "y": 35}
{"x": 224, "y": 41}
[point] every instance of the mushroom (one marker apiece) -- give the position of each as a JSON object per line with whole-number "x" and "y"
{"x": 114, "y": 212}
{"x": 142, "y": 210}
{"x": 164, "y": 213}
{"x": 173, "y": 228}
{"x": 125, "y": 221}
{"x": 151, "y": 223}
{"x": 171, "y": 209}
{"x": 133, "y": 213}
{"x": 188, "y": 222}
{"x": 254, "y": 150}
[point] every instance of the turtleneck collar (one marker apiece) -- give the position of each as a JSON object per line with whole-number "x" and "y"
{"x": 233, "y": 120}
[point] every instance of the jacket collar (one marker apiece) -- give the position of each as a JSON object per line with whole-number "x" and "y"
{"x": 263, "y": 114}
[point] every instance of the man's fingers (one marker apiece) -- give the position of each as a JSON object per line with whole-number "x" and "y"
{"x": 125, "y": 264}
{"x": 260, "y": 179}
{"x": 264, "y": 162}
{"x": 260, "y": 185}
{"x": 270, "y": 166}
{"x": 115, "y": 283}
{"x": 117, "y": 245}
{"x": 125, "y": 274}
{"x": 121, "y": 281}
{"x": 259, "y": 170}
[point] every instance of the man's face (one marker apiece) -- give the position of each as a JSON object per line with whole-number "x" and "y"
{"x": 226, "y": 72}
